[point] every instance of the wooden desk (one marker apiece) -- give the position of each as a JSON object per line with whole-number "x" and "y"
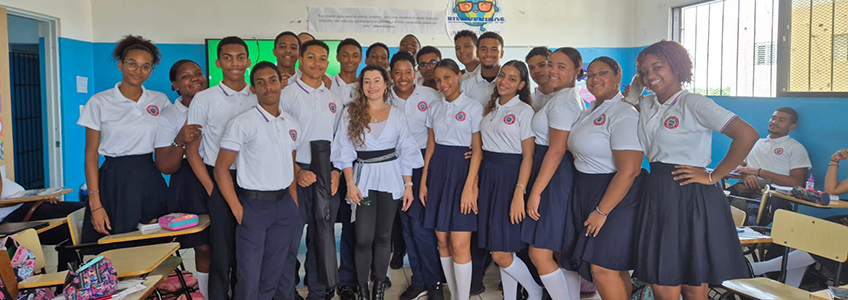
{"x": 765, "y": 288}
{"x": 128, "y": 262}
{"x": 824, "y": 294}
{"x": 7, "y": 202}
{"x": 782, "y": 195}
{"x": 203, "y": 222}
{"x": 150, "y": 284}
{"x": 52, "y": 223}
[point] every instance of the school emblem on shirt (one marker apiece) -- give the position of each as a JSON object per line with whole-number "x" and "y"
{"x": 601, "y": 120}
{"x": 460, "y": 116}
{"x": 509, "y": 119}
{"x": 293, "y": 134}
{"x": 422, "y": 106}
{"x": 153, "y": 110}
{"x": 778, "y": 151}
{"x": 332, "y": 107}
{"x": 671, "y": 122}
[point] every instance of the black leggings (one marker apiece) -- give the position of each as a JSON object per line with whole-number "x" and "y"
{"x": 374, "y": 235}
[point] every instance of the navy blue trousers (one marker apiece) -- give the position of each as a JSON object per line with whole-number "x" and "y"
{"x": 347, "y": 246}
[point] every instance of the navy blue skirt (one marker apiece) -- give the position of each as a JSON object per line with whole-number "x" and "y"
{"x": 187, "y": 195}
{"x": 613, "y": 247}
{"x": 547, "y": 232}
{"x": 498, "y": 176}
{"x": 448, "y": 170}
{"x": 416, "y": 209}
{"x": 132, "y": 191}
{"x": 685, "y": 234}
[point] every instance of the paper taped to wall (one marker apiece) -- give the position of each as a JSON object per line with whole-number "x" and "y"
{"x": 332, "y": 19}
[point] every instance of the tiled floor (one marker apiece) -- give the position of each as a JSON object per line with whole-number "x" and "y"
{"x": 400, "y": 278}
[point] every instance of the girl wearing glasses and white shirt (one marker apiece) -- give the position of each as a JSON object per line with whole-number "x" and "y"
{"x": 607, "y": 185}
{"x": 121, "y": 125}
{"x": 685, "y": 238}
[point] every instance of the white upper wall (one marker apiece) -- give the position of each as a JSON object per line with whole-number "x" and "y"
{"x": 653, "y": 20}
{"x": 576, "y": 23}
{"x": 74, "y": 15}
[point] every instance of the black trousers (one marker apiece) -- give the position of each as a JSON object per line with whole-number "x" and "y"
{"x": 373, "y": 225}
{"x": 54, "y": 236}
{"x": 222, "y": 229}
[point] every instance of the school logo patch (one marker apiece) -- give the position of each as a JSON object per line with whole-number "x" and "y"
{"x": 293, "y": 134}
{"x": 460, "y": 116}
{"x": 509, "y": 119}
{"x": 671, "y": 122}
{"x": 153, "y": 110}
{"x": 600, "y": 120}
{"x": 778, "y": 151}
{"x": 422, "y": 106}
{"x": 332, "y": 107}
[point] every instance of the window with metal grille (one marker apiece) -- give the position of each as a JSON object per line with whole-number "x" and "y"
{"x": 766, "y": 54}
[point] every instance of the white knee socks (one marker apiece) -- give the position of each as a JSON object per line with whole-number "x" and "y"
{"x": 572, "y": 280}
{"x": 203, "y": 284}
{"x": 510, "y": 285}
{"x": 796, "y": 266}
{"x": 463, "y": 281}
{"x": 447, "y": 267}
{"x": 519, "y": 273}
{"x": 556, "y": 285}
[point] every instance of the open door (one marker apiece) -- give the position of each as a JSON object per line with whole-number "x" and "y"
{"x": 6, "y": 148}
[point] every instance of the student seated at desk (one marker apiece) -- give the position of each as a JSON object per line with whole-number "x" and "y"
{"x": 777, "y": 159}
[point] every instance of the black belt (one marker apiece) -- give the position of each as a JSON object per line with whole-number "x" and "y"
{"x": 370, "y": 157}
{"x": 263, "y": 195}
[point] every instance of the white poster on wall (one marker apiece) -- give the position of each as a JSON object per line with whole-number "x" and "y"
{"x": 333, "y": 19}
{"x": 478, "y": 16}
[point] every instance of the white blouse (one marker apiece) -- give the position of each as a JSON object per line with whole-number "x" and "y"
{"x": 561, "y": 112}
{"x": 506, "y": 126}
{"x": 600, "y": 131}
{"x": 454, "y": 122}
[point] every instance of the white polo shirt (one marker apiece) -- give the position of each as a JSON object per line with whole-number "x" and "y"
{"x": 317, "y": 111}
{"x": 126, "y": 127}
{"x": 297, "y": 74}
{"x": 264, "y": 145}
{"x": 478, "y": 88}
{"x": 506, "y": 126}
{"x": 415, "y": 109}
{"x": 680, "y": 131}
{"x": 471, "y": 74}
{"x": 560, "y": 113}
{"x": 600, "y": 131}
{"x": 779, "y": 155}
{"x": 213, "y": 108}
{"x": 345, "y": 91}
{"x": 169, "y": 123}
{"x": 540, "y": 99}
{"x": 453, "y": 123}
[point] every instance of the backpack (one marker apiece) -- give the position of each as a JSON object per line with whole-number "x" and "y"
{"x": 23, "y": 264}
{"x": 95, "y": 279}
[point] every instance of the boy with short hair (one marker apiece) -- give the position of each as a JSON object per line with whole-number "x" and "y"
{"x": 465, "y": 44}
{"x": 349, "y": 56}
{"x": 377, "y": 54}
{"x": 489, "y": 51}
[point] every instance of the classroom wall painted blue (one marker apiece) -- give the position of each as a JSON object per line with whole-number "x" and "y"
{"x": 75, "y": 59}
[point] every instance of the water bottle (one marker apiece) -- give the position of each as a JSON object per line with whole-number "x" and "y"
{"x": 636, "y": 90}
{"x": 811, "y": 184}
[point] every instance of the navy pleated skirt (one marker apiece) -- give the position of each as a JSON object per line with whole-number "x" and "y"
{"x": 132, "y": 191}
{"x": 613, "y": 247}
{"x": 685, "y": 234}
{"x": 547, "y": 232}
{"x": 446, "y": 176}
{"x": 416, "y": 209}
{"x": 498, "y": 176}
{"x": 187, "y": 195}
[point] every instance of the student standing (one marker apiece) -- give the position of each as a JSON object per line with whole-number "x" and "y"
{"x": 537, "y": 63}
{"x": 427, "y": 59}
{"x": 121, "y": 126}
{"x": 375, "y": 136}
{"x": 608, "y": 158}
{"x": 508, "y": 145}
{"x": 212, "y": 109}
{"x": 548, "y": 199}
{"x": 377, "y": 54}
{"x": 415, "y": 101}
{"x": 286, "y": 50}
{"x": 465, "y": 44}
{"x": 490, "y": 51}
{"x": 685, "y": 234}
{"x": 450, "y": 194}
{"x": 317, "y": 109}
{"x": 185, "y": 193}
{"x": 349, "y": 56}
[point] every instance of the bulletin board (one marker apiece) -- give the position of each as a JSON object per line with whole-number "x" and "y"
{"x": 6, "y": 149}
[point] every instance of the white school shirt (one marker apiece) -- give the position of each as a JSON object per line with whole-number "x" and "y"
{"x": 540, "y": 99}
{"x": 471, "y": 74}
{"x": 560, "y": 113}
{"x": 317, "y": 110}
{"x": 454, "y": 123}
{"x": 600, "y": 131}
{"x": 418, "y": 79}
{"x": 415, "y": 109}
{"x": 126, "y": 127}
{"x": 680, "y": 131}
{"x": 506, "y": 126}
{"x": 9, "y": 188}
{"x": 477, "y": 88}
{"x": 779, "y": 155}
{"x": 297, "y": 74}
{"x": 263, "y": 144}
{"x": 345, "y": 91}
{"x": 213, "y": 108}
{"x": 385, "y": 176}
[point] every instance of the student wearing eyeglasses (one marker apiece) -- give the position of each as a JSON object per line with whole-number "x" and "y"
{"x": 427, "y": 59}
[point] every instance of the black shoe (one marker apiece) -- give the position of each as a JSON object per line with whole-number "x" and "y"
{"x": 378, "y": 290}
{"x": 477, "y": 288}
{"x": 435, "y": 292}
{"x": 413, "y": 292}
{"x": 347, "y": 292}
{"x": 397, "y": 260}
{"x": 364, "y": 293}
{"x": 386, "y": 281}
{"x": 329, "y": 294}
{"x": 297, "y": 296}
